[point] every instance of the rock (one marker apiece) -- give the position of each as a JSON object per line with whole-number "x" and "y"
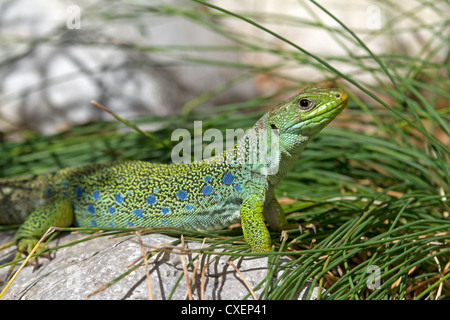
{"x": 83, "y": 270}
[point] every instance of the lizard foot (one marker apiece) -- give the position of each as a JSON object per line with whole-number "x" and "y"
{"x": 307, "y": 225}
{"x": 25, "y": 246}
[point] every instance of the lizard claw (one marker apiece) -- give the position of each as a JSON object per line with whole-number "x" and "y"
{"x": 7, "y": 245}
{"x": 17, "y": 256}
{"x": 307, "y": 225}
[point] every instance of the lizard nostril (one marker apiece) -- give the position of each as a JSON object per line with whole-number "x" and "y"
{"x": 338, "y": 95}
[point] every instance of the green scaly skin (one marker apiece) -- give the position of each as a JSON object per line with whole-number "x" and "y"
{"x": 205, "y": 195}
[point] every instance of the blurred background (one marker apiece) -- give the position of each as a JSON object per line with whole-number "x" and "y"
{"x": 158, "y": 57}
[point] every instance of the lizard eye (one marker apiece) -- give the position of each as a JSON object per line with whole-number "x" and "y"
{"x": 305, "y": 104}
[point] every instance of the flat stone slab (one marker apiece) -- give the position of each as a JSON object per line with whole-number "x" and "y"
{"x": 84, "y": 270}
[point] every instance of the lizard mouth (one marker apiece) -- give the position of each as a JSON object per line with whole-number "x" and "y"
{"x": 343, "y": 96}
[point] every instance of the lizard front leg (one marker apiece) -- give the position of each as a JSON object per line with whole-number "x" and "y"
{"x": 253, "y": 225}
{"x": 275, "y": 217}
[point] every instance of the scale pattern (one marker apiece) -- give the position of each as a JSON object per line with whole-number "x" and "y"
{"x": 135, "y": 193}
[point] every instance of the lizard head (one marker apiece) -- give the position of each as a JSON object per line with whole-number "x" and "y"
{"x": 280, "y": 135}
{"x": 289, "y": 126}
{"x": 305, "y": 114}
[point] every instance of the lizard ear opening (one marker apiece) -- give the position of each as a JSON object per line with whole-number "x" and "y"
{"x": 275, "y": 129}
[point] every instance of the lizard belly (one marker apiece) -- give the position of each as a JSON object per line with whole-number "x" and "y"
{"x": 110, "y": 215}
{"x": 217, "y": 217}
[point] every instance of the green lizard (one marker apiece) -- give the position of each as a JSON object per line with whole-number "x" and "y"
{"x": 203, "y": 195}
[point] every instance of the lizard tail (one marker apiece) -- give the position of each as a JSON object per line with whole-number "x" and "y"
{"x": 19, "y": 197}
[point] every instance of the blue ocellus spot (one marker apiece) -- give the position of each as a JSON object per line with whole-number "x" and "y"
{"x": 151, "y": 199}
{"x": 207, "y": 190}
{"x": 182, "y": 195}
{"x": 49, "y": 191}
{"x": 165, "y": 210}
{"x": 130, "y": 224}
{"x": 93, "y": 222}
{"x": 96, "y": 195}
{"x": 190, "y": 206}
{"x": 118, "y": 197}
{"x": 208, "y": 178}
{"x": 111, "y": 224}
{"x": 79, "y": 191}
{"x": 238, "y": 187}
{"x": 228, "y": 178}
{"x": 139, "y": 213}
{"x": 91, "y": 208}
{"x": 112, "y": 209}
